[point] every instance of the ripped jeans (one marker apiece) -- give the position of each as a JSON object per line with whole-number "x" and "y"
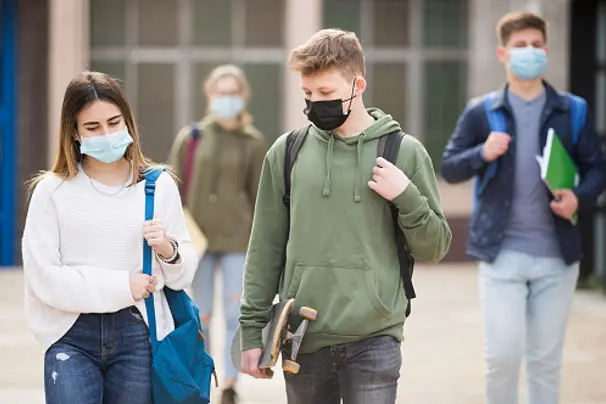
{"x": 103, "y": 358}
{"x": 232, "y": 268}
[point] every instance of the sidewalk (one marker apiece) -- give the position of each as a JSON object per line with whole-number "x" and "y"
{"x": 442, "y": 353}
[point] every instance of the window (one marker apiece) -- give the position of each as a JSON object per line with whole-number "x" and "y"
{"x": 264, "y": 105}
{"x": 212, "y": 29}
{"x": 104, "y": 32}
{"x": 114, "y": 69}
{"x": 163, "y": 50}
{"x": 155, "y": 108}
{"x": 157, "y": 22}
{"x": 444, "y": 98}
{"x": 343, "y": 14}
{"x": 445, "y": 23}
{"x": 391, "y": 23}
{"x": 264, "y": 23}
{"x": 389, "y": 89}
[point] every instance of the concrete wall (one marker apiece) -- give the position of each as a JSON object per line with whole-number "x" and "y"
{"x": 68, "y": 56}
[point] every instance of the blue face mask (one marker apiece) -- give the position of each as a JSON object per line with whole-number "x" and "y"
{"x": 227, "y": 106}
{"x": 527, "y": 63}
{"x": 106, "y": 148}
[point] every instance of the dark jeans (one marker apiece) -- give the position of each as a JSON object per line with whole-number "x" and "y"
{"x": 103, "y": 359}
{"x": 364, "y": 372}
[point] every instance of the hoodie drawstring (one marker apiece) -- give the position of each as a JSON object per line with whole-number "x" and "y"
{"x": 358, "y": 170}
{"x": 358, "y": 184}
{"x": 329, "y": 155}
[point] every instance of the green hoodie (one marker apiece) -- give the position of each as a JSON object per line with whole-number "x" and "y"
{"x": 341, "y": 254}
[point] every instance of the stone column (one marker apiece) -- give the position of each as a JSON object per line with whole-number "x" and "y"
{"x": 68, "y": 55}
{"x": 303, "y": 19}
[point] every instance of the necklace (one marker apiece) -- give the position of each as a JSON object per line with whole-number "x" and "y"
{"x": 92, "y": 183}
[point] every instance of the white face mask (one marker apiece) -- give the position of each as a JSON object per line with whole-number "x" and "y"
{"x": 227, "y": 106}
{"x": 106, "y": 148}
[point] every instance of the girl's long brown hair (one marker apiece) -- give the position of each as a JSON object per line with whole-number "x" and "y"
{"x": 85, "y": 88}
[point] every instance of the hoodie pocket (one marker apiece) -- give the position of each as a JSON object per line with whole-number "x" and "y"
{"x": 346, "y": 298}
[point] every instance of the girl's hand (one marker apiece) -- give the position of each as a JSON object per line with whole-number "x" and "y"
{"x": 154, "y": 233}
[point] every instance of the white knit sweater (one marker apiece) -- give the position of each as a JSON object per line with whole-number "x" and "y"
{"x": 79, "y": 245}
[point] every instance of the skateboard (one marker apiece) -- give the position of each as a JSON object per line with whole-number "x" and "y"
{"x": 275, "y": 334}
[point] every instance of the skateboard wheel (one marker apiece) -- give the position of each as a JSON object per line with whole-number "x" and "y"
{"x": 290, "y": 366}
{"x": 308, "y": 313}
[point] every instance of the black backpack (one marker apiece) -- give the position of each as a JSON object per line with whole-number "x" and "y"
{"x": 388, "y": 148}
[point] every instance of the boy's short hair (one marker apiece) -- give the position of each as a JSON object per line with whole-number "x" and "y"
{"x": 517, "y": 21}
{"x": 329, "y": 49}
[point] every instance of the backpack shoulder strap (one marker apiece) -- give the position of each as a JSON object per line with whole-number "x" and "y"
{"x": 190, "y": 153}
{"x": 294, "y": 141}
{"x": 389, "y": 148}
{"x": 578, "y": 114}
{"x": 151, "y": 176}
{"x": 495, "y": 116}
{"x": 496, "y": 123}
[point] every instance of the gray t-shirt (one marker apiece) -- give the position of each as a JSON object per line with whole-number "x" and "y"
{"x": 531, "y": 228}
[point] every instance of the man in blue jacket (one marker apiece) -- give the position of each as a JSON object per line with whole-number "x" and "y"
{"x": 528, "y": 248}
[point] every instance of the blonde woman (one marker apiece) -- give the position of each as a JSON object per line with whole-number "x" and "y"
{"x": 219, "y": 160}
{"x": 82, "y": 252}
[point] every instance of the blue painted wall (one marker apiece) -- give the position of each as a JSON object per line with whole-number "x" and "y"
{"x": 8, "y": 129}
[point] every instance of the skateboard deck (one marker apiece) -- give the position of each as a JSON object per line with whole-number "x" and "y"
{"x": 274, "y": 334}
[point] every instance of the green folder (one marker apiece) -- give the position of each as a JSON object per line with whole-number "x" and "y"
{"x": 558, "y": 170}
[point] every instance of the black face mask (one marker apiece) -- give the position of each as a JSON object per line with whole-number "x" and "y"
{"x": 328, "y": 115}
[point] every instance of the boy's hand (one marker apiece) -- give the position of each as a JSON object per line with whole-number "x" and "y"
{"x": 496, "y": 145}
{"x": 565, "y": 203}
{"x": 388, "y": 180}
{"x": 250, "y": 363}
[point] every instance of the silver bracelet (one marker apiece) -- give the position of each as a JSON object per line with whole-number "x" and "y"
{"x": 172, "y": 259}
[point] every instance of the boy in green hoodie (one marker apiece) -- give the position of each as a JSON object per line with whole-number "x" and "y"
{"x": 341, "y": 254}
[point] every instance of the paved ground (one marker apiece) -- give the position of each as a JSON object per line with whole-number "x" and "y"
{"x": 442, "y": 353}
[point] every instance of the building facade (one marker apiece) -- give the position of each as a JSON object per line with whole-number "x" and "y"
{"x": 425, "y": 58}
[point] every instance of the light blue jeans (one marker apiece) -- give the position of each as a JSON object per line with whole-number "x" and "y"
{"x": 526, "y": 302}
{"x": 232, "y": 267}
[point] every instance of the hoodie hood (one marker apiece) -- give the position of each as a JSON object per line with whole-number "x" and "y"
{"x": 383, "y": 125}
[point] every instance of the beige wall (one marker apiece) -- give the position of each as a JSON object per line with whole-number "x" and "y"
{"x": 68, "y": 55}
{"x": 303, "y": 19}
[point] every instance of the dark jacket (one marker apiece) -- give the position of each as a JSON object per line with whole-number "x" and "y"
{"x": 463, "y": 161}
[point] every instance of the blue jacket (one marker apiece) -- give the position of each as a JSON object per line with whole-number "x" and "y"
{"x": 463, "y": 161}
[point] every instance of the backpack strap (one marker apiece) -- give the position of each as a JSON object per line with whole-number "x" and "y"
{"x": 578, "y": 114}
{"x": 190, "y": 154}
{"x": 496, "y": 123}
{"x": 294, "y": 141}
{"x": 151, "y": 176}
{"x": 389, "y": 148}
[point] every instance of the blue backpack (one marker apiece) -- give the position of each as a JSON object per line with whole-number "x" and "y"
{"x": 181, "y": 368}
{"x": 497, "y": 123}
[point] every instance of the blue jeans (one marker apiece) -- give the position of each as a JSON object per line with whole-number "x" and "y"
{"x": 363, "y": 372}
{"x": 102, "y": 359}
{"x": 232, "y": 267}
{"x": 526, "y": 302}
